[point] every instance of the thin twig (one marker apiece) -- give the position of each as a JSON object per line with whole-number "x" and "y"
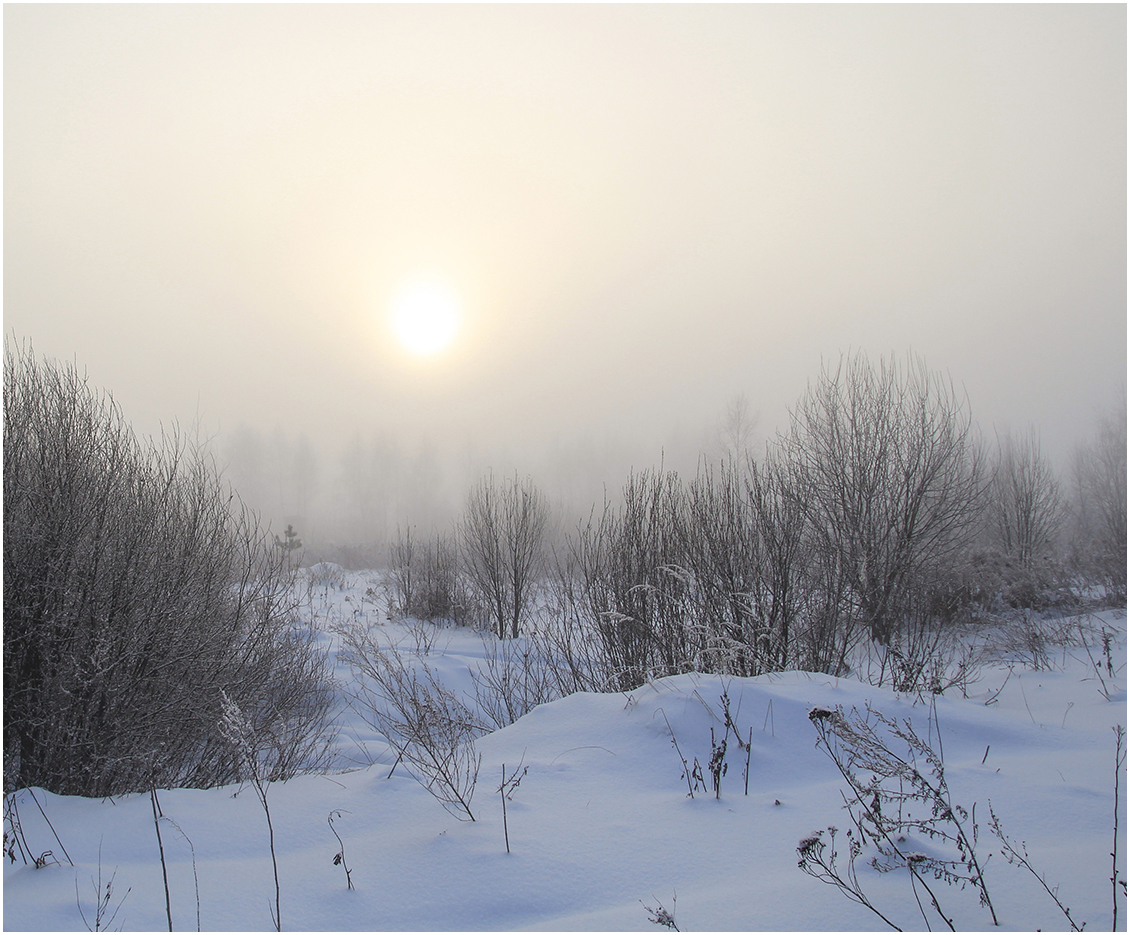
{"x": 192, "y": 851}
{"x": 1013, "y": 856}
{"x": 686, "y": 767}
{"x": 748, "y": 753}
{"x": 31, "y": 792}
{"x": 502, "y": 793}
{"x": 1119, "y": 762}
{"x": 161, "y": 849}
{"x": 339, "y": 857}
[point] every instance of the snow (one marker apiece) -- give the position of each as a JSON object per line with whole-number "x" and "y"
{"x": 601, "y": 825}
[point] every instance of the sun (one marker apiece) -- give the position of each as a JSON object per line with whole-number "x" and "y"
{"x": 425, "y": 317}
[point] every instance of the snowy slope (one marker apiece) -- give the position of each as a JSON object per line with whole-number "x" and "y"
{"x": 602, "y": 824}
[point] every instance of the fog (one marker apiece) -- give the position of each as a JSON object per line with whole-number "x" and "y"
{"x": 645, "y": 212}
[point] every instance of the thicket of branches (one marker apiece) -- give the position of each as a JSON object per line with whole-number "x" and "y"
{"x": 137, "y": 591}
{"x": 425, "y": 579}
{"x": 876, "y": 522}
{"x": 842, "y": 533}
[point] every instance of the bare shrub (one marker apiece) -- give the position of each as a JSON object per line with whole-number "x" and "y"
{"x": 722, "y": 552}
{"x": 513, "y": 679}
{"x": 778, "y": 598}
{"x": 885, "y": 785}
{"x": 136, "y": 589}
{"x": 572, "y": 649}
{"x": 1025, "y": 507}
{"x": 425, "y": 582}
{"x": 717, "y": 576}
{"x": 890, "y": 474}
{"x": 996, "y": 584}
{"x": 925, "y": 656}
{"x": 503, "y": 538}
{"x": 1100, "y": 507}
{"x": 325, "y": 575}
{"x": 432, "y": 730}
{"x": 635, "y": 593}
{"x": 559, "y": 657}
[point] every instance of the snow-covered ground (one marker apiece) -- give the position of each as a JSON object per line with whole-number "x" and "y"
{"x": 601, "y": 825}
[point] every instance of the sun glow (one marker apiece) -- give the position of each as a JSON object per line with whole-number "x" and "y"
{"x": 425, "y": 317}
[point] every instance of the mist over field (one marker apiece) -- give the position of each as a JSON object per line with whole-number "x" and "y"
{"x": 642, "y": 214}
{"x": 566, "y": 467}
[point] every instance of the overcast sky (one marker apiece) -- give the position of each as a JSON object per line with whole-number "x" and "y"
{"x": 643, "y": 210}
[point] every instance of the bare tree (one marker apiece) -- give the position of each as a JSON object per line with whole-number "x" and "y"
{"x": 1025, "y": 507}
{"x": 503, "y": 536}
{"x": 735, "y": 435}
{"x": 1100, "y": 480}
{"x": 890, "y": 475}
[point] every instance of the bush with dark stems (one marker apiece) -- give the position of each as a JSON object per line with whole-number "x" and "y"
{"x": 634, "y": 589}
{"x": 503, "y": 538}
{"x": 886, "y": 462}
{"x": 137, "y": 588}
{"x": 514, "y": 677}
{"x": 424, "y": 579}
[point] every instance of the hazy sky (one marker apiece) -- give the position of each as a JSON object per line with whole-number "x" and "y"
{"x": 643, "y": 210}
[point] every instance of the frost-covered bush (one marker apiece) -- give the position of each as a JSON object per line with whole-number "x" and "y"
{"x": 136, "y": 590}
{"x": 1025, "y": 509}
{"x": 424, "y": 579}
{"x": 887, "y": 464}
{"x": 997, "y": 584}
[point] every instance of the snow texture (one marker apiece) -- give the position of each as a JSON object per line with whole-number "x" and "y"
{"x": 601, "y": 826}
